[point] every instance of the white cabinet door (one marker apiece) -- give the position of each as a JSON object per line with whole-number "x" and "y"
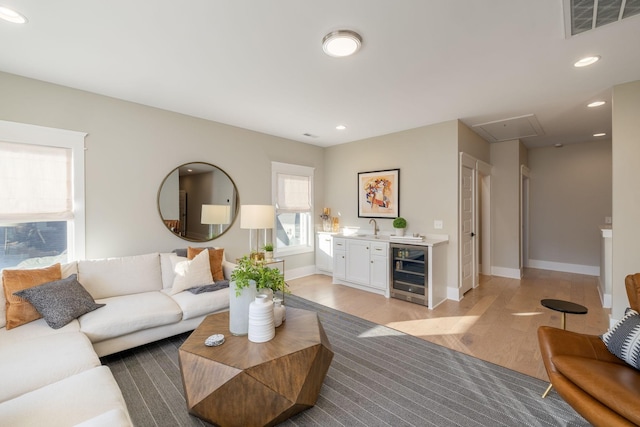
{"x": 324, "y": 252}
{"x": 379, "y": 272}
{"x": 339, "y": 259}
{"x": 358, "y": 261}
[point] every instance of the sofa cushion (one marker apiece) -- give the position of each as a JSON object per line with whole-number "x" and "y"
{"x": 616, "y": 386}
{"x": 195, "y": 272}
{"x": 623, "y": 339}
{"x": 37, "y": 328}
{"x": 19, "y": 311}
{"x": 60, "y": 301}
{"x": 129, "y": 313}
{"x": 167, "y": 265}
{"x": 67, "y": 402}
{"x": 111, "y": 277}
{"x": 35, "y": 362}
{"x": 215, "y": 260}
{"x": 200, "y": 304}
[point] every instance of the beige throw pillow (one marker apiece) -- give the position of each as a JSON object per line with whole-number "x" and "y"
{"x": 215, "y": 260}
{"x": 191, "y": 273}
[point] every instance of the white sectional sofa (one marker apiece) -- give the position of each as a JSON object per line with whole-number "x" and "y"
{"x": 53, "y": 377}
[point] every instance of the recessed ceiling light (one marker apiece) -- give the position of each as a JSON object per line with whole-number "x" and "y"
{"x": 341, "y": 43}
{"x": 599, "y": 134}
{"x": 558, "y": 145}
{"x": 341, "y": 127}
{"x": 596, "y": 104}
{"x": 587, "y": 61}
{"x": 11, "y": 15}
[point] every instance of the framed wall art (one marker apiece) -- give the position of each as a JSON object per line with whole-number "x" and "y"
{"x": 379, "y": 194}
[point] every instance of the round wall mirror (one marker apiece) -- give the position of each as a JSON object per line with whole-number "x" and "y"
{"x": 198, "y": 201}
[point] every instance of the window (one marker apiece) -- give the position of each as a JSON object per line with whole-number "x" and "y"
{"x": 293, "y": 199}
{"x": 41, "y": 195}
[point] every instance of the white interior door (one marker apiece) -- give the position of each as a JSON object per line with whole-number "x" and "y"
{"x": 467, "y": 227}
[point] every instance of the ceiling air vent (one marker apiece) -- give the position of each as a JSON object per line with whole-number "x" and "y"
{"x": 585, "y": 15}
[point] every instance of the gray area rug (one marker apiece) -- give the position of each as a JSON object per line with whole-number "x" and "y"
{"x": 378, "y": 377}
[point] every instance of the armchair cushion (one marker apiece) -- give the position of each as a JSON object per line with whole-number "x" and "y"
{"x": 623, "y": 339}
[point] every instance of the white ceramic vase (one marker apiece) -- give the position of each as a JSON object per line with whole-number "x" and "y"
{"x": 268, "y": 255}
{"x": 399, "y": 231}
{"x": 261, "y": 322}
{"x": 239, "y": 307}
{"x": 278, "y": 312}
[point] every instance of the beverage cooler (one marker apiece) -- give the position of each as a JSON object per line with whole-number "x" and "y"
{"x": 410, "y": 271}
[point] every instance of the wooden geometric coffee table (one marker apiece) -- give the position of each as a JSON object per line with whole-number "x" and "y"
{"x": 242, "y": 383}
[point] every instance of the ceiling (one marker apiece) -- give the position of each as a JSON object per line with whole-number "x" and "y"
{"x": 259, "y": 65}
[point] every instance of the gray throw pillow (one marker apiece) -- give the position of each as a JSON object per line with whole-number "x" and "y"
{"x": 60, "y": 301}
{"x": 623, "y": 340}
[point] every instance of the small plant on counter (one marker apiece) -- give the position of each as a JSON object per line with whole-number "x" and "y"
{"x": 399, "y": 222}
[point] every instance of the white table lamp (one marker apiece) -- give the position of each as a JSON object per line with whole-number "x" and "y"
{"x": 255, "y": 217}
{"x": 215, "y": 214}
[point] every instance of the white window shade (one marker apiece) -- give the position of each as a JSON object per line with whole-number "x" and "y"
{"x": 35, "y": 183}
{"x": 294, "y": 193}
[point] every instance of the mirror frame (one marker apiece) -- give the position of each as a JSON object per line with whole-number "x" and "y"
{"x": 235, "y": 203}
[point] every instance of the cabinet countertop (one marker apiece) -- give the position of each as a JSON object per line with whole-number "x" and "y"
{"x": 429, "y": 240}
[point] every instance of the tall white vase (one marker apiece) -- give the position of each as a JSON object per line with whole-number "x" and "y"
{"x": 239, "y": 307}
{"x": 261, "y": 322}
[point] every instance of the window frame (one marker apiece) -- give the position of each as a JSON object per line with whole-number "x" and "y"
{"x": 292, "y": 169}
{"x": 22, "y": 133}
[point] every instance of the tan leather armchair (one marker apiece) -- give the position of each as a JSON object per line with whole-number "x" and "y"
{"x": 598, "y": 385}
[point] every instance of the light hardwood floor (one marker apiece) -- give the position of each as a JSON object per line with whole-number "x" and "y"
{"x": 496, "y": 322}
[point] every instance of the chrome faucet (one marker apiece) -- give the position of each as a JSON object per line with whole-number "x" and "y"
{"x": 375, "y": 226}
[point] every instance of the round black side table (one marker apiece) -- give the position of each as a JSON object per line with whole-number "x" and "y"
{"x": 563, "y": 307}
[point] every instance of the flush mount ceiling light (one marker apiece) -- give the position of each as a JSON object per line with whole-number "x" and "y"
{"x": 341, "y": 43}
{"x": 11, "y": 15}
{"x": 596, "y": 104}
{"x": 599, "y": 134}
{"x": 586, "y": 61}
{"x": 341, "y": 127}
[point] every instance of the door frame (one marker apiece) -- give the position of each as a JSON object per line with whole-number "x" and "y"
{"x": 482, "y": 228}
{"x": 524, "y": 217}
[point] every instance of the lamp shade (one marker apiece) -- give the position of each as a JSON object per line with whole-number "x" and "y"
{"x": 216, "y": 214}
{"x": 256, "y": 216}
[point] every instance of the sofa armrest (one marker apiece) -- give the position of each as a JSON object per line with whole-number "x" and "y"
{"x": 227, "y": 268}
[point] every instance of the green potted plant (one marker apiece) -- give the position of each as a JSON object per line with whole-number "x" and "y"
{"x": 399, "y": 224}
{"x": 268, "y": 251}
{"x": 248, "y": 271}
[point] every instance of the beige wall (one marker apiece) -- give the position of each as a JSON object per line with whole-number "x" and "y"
{"x": 506, "y": 158}
{"x": 428, "y": 162}
{"x": 131, "y": 148}
{"x": 570, "y": 196}
{"x": 472, "y": 144}
{"x": 626, "y": 190}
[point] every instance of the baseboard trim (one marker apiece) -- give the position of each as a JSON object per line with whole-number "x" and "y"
{"x": 511, "y": 273}
{"x": 606, "y": 299}
{"x": 454, "y": 294}
{"x": 589, "y": 270}
{"x": 296, "y": 273}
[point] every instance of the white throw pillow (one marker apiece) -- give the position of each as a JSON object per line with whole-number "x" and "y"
{"x": 196, "y": 272}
